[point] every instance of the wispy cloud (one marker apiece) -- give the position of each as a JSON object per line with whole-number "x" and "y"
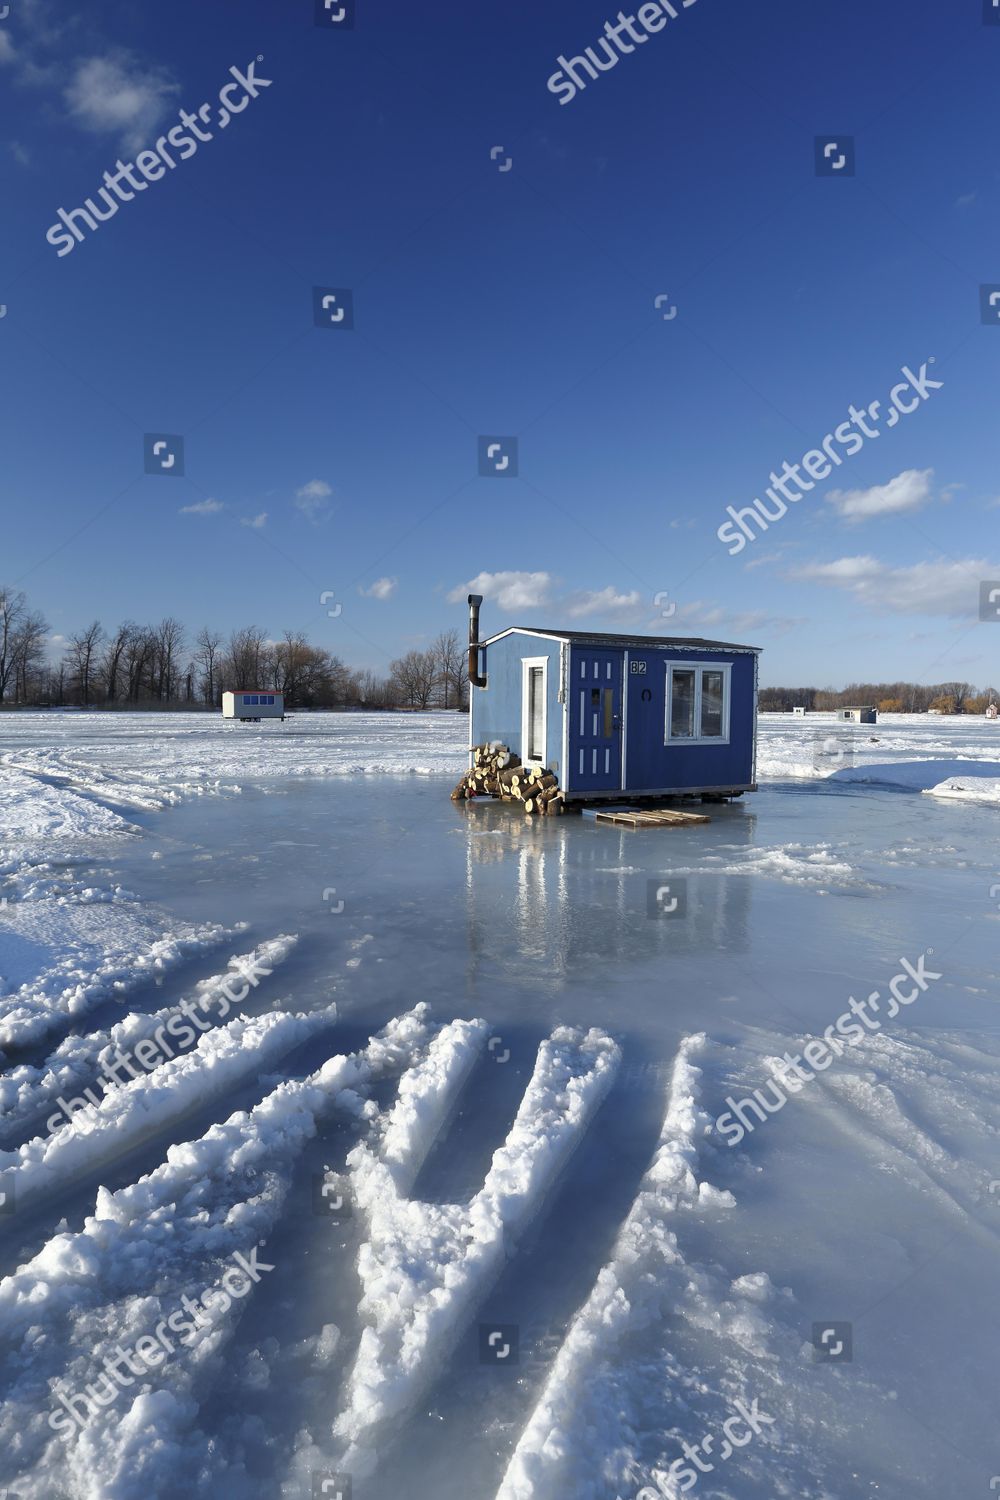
{"x": 908, "y": 491}
{"x": 202, "y": 508}
{"x": 511, "y": 591}
{"x": 7, "y": 53}
{"x": 255, "y": 522}
{"x": 382, "y": 588}
{"x": 604, "y": 602}
{"x": 313, "y": 498}
{"x": 117, "y": 95}
{"x": 948, "y": 587}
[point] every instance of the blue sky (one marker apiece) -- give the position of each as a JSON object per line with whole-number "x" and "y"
{"x": 507, "y": 302}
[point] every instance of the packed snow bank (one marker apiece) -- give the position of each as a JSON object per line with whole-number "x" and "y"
{"x": 820, "y": 745}
{"x": 153, "y": 760}
{"x": 966, "y": 788}
{"x": 427, "y": 1265}
{"x": 66, "y": 945}
{"x": 40, "y": 822}
{"x": 920, "y": 775}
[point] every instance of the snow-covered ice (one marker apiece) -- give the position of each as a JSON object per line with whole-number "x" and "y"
{"x": 510, "y": 1064}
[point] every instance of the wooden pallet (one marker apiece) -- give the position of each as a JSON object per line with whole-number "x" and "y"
{"x": 658, "y": 817}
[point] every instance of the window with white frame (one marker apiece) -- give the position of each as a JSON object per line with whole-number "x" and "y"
{"x": 697, "y": 703}
{"x": 533, "y": 708}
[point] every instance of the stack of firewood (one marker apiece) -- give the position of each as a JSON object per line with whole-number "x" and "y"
{"x": 498, "y": 772}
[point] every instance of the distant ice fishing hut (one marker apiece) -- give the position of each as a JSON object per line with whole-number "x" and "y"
{"x": 858, "y": 715}
{"x": 590, "y": 717}
{"x": 250, "y": 707}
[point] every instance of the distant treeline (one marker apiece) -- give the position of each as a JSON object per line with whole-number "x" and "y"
{"x": 887, "y": 697}
{"x": 160, "y": 666}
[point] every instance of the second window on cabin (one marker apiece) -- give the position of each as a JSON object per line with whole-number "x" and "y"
{"x": 697, "y": 704}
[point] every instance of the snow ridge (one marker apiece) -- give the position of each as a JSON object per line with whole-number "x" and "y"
{"x": 172, "y": 1232}
{"x": 426, "y": 1266}
{"x": 26, "y": 1090}
{"x": 576, "y": 1440}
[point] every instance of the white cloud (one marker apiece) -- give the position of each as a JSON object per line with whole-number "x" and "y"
{"x": 965, "y": 200}
{"x": 511, "y": 591}
{"x": 931, "y": 588}
{"x": 908, "y": 491}
{"x": 255, "y": 522}
{"x": 604, "y": 601}
{"x": 202, "y": 508}
{"x": 313, "y": 497}
{"x": 116, "y": 95}
{"x": 20, "y": 154}
{"x": 7, "y": 53}
{"x": 382, "y": 588}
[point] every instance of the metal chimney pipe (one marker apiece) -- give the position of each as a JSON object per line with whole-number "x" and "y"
{"x": 475, "y": 600}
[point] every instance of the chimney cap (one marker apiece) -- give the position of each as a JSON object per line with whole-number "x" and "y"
{"x": 475, "y": 598}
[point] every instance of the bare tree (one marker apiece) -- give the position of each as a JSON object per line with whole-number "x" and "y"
{"x": 169, "y": 649}
{"x": 29, "y": 654}
{"x": 244, "y": 664}
{"x": 416, "y": 674}
{"x": 206, "y": 658}
{"x": 140, "y": 652}
{"x": 449, "y": 655}
{"x": 112, "y": 661}
{"x": 12, "y": 608}
{"x": 82, "y": 655}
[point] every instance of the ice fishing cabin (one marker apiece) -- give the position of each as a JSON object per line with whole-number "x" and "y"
{"x": 858, "y": 715}
{"x": 618, "y": 716}
{"x": 251, "y": 706}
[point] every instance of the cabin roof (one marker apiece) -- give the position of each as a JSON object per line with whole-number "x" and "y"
{"x": 615, "y": 638}
{"x": 238, "y": 692}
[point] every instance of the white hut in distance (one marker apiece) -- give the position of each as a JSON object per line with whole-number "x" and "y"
{"x": 859, "y": 715}
{"x": 250, "y": 707}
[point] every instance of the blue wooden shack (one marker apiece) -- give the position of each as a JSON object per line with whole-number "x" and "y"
{"x": 618, "y": 716}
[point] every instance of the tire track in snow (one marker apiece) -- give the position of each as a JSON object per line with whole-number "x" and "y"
{"x": 25, "y": 1091}
{"x": 581, "y": 1423}
{"x": 153, "y": 1101}
{"x": 172, "y": 1232}
{"x": 426, "y": 1266}
{"x": 68, "y": 990}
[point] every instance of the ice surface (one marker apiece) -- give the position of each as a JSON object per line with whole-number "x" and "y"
{"x": 536, "y": 1145}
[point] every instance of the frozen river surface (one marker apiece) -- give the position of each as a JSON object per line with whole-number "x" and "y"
{"x": 350, "y": 1137}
